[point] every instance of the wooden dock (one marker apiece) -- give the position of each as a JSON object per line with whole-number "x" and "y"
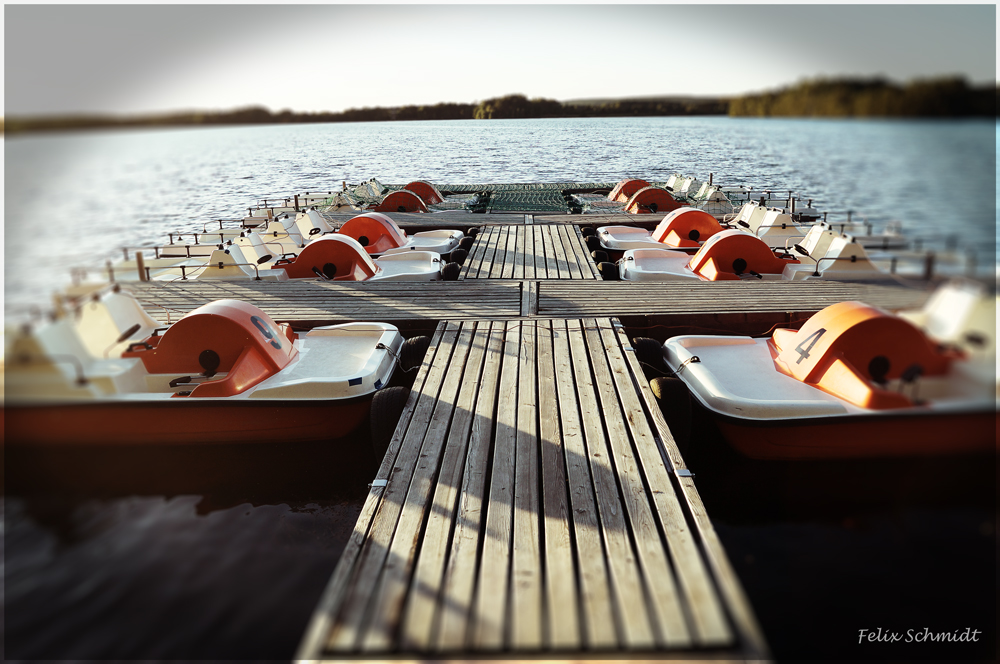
{"x": 532, "y": 501}
{"x": 307, "y": 303}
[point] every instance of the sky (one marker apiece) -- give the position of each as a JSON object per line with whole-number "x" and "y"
{"x": 140, "y": 59}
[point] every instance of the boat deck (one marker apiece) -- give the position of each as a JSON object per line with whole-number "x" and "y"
{"x": 532, "y": 500}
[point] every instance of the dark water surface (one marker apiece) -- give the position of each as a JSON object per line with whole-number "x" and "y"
{"x": 186, "y": 553}
{"x": 222, "y": 553}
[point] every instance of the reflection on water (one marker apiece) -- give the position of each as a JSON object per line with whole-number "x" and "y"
{"x": 213, "y": 552}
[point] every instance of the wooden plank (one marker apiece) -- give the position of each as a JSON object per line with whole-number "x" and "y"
{"x": 529, "y": 252}
{"x": 523, "y": 235}
{"x": 496, "y": 267}
{"x": 708, "y": 620}
{"x": 526, "y": 617}
{"x": 667, "y": 614}
{"x": 556, "y": 247}
{"x": 396, "y": 574}
{"x": 588, "y": 265}
{"x": 490, "y": 621}
{"x": 598, "y": 623}
{"x": 348, "y": 627}
{"x": 529, "y": 297}
{"x": 490, "y": 254}
{"x": 728, "y": 583}
{"x": 424, "y": 598}
{"x": 461, "y": 571}
{"x": 513, "y": 251}
{"x": 562, "y": 624}
{"x": 634, "y": 622}
{"x": 538, "y": 254}
{"x": 572, "y": 252}
{"x": 319, "y": 628}
{"x": 475, "y": 257}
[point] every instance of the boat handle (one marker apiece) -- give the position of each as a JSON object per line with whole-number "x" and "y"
{"x": 691, "y": 360}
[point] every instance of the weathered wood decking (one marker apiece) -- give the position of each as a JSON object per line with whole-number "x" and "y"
{"x": 531, "y": 251}
{"x": 532, "y": 501}
{"x": 313, "y": 302}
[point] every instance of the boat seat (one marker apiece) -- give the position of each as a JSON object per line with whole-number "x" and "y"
{"x": 374, "y": 231}
{"x": 731, "y": 253}
{"x": 334, "y": 257}
{"x": 100, "y": 322}
{"x": 686, "y": 227}
{"x": 223, "y": 337}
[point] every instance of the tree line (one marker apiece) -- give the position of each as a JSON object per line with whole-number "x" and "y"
{"x": 877, "y": 97}
{"x": 506, "y": 107}
{"x": 948, "y": 97}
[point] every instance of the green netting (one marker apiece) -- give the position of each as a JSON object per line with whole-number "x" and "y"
{"x": 496, "y": 197}
{"x": 534, "y": 201}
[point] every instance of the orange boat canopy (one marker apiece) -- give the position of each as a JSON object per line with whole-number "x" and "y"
{"x": 852, "y": 350}
{"x": 402, "y": 200}
{"x": 374, "y": 231}
{"x": 335, "y": 257}
{"x": 650, "y": 200}
{"x": 625, "y": 189}
{"x": 686, "y": 227}
{"x": 226, "y": 336}
{"x": 730, "y": 253}
{"x": 427, "y": 192}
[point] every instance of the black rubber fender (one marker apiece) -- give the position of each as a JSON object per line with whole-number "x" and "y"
{"x": 450, "y": 271}
{"x": 594, "y": 243}
{"x": 600, "y": 256}
{"x": 609, "y": 271}
{"x": 650, "y": 353}
{"x": 411, "y": 355}
{"x": 459, "y": 255}
{"x": 466, "y": 242}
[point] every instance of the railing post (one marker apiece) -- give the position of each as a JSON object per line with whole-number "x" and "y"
{"x": 140, "y": 265}
{"x": 929, "y": 266}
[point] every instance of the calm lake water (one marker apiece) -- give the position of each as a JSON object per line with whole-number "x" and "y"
{"x": 110, "y": 189}
{"x": 223, "y": 553}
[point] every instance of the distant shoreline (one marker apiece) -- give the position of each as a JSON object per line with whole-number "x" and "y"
{"x": 949, "y": 97}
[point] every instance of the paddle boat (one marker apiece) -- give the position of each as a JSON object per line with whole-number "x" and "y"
{"x": 286, "y": 232}
{"x": 961, "y": 314}
{"x": 854, "y": 381}
{"x": 380, "y": 236}
{"x": 779, "y": 226}
{"x": 339, "y": 257}
{"x": 224, "y": 373}
{"x": 263, "y": 257}
{"x": 684, "y": 229}
{"x": 733, "y": 255}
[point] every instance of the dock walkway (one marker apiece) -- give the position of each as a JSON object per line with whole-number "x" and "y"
{"x": 525, "y": 505}
{"x": 532, "y": 500}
